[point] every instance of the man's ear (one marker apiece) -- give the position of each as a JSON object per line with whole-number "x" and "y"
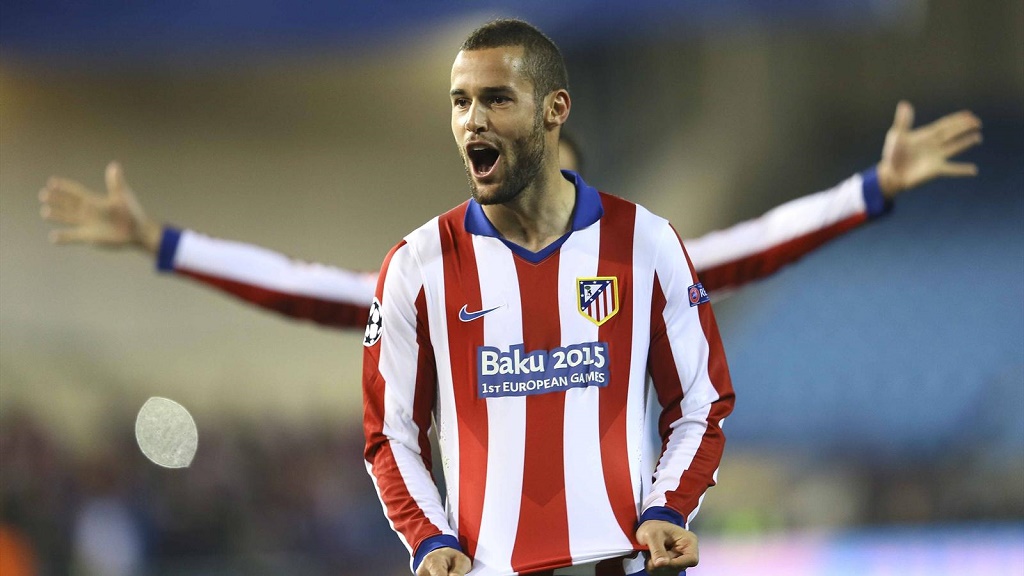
{"x": 556, "y": 108}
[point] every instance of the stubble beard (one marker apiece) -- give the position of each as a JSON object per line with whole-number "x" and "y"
{"x": 524, "y": 162}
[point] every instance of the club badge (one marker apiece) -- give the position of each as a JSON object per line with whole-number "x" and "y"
{"x": 598, "y": 298}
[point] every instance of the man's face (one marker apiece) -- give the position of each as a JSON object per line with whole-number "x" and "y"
{"x": 497, "y": 123}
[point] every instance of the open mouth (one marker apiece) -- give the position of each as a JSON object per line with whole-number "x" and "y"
{"x": 483, "y": 158}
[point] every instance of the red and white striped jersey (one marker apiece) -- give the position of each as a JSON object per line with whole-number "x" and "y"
{"x": 340, "y": 298}
{"x": 575, "y": 391}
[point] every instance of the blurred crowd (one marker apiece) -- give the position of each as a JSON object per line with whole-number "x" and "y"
{"x": 274, "y": 498}
{"x": 257, "y": 499}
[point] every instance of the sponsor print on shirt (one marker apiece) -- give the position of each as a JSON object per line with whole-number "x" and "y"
{"x": 598, "y": 298}
{"x": 521, "y": 373}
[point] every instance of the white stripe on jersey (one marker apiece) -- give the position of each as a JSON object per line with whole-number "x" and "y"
{"x": 644, "y": 410}
{"x": 426, "y": 240}
{"x": 506, "y": 417}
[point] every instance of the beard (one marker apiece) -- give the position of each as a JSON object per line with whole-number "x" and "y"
{"x": 524, "y": 160}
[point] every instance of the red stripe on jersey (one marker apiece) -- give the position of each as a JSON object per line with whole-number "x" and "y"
{"x": 462, "y": 288}
{"x": 767, "y": 262}
{"x": 543, "y": 501}
{"x": 426, "y": 380}
{"x": 325, "y": 312}
{"x": 617, "y": 232}
{"x": 402, "y": 509}
{"x": 663, "y": 372}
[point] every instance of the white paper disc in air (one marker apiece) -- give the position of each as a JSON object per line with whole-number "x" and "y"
{"x": 166, "y": 433}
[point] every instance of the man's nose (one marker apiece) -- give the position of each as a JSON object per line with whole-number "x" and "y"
{"x": 476, "y": 118}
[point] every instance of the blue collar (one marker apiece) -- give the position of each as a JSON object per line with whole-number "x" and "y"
{"x": 587, "y": 211}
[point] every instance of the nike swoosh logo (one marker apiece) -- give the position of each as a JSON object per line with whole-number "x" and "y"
{"x": 467, "y": 316}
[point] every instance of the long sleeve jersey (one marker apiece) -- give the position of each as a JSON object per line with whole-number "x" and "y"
{"x": 576, "y": 391}
{"x": 340, "y": 298}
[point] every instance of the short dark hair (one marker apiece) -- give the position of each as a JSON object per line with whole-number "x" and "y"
{"x": 542, "y": 59}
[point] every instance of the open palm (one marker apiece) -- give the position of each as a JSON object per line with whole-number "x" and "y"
{"x": 911, "y": 157}
{"x": 113, "y": 221}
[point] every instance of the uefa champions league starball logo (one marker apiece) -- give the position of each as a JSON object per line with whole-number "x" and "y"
{"x": 374, "y": 325}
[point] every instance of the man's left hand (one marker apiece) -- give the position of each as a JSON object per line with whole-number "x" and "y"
{"x": 672, "y": 548}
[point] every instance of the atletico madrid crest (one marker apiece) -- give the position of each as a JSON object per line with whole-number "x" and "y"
{"x": 598, "y": 298}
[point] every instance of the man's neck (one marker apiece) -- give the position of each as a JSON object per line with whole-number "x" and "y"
{"x": 541, "y": 214}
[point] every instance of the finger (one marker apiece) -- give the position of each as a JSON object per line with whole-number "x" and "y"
{"x": 964, "y": 142}
{"x": 462, "y": 566}
{"x": 68, "y": 236}
{"x": 59, "y": 197}
{"x": 656, "y": 548}
{"x": 683, "y": 560}
{"x": 116, "y": 185}
{"x": 439, "y": 568}
{"x": 71, "y": 187}
{"x": 953, "y": 125}
{"x": 958, "y": 169}
{"x": 426, "y": 569}
{"x": 904, "y": 119}
{"x": 59, "y": 214}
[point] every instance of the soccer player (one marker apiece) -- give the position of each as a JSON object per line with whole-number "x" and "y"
{"x": 340, "y": 298}
{"x": 559, "y": 340}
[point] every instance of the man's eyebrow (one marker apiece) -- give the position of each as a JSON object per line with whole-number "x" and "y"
{"x": 490, "y": 90}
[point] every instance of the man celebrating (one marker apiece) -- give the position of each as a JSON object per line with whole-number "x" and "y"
{"x": 559, "y": 340}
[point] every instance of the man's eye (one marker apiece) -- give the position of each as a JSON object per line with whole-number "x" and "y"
{"x": 460, "y": 102}
{"x": 500, "y": 100}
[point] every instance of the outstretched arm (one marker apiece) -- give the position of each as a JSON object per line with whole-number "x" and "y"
{"x": 757, "y": 248}
{"x": 326, "y": 295}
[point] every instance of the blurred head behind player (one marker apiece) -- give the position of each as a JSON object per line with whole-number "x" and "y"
{"x": 509, "y": 100}
{"x": 569, "y": 155}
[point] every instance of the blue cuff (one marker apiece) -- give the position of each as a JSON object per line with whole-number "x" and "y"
{"x": 168, "y": 248}
{"x": 873, "y": 197}
{"x": 431, "y": 544}
{"x": 663, "y": 513}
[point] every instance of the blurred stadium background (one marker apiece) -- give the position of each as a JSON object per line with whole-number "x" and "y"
{"x": 880, "y": 419}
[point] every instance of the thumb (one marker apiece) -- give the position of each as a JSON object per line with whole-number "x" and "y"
{"x": 904, "y": 119}
{"x": 656, "y": 547}
{"x": 116, "y": 186}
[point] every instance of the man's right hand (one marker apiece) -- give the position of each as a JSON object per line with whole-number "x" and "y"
{"x": 444, "y": 562}
{"x": 112, "y": 221}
